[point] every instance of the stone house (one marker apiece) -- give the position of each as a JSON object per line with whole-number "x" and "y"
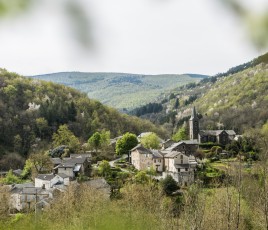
{"x": 180, "y": 166}
{"x": 143, "y": 158}
{"x": 187, "y": 147}
{"x": 74, "y": 165}
{"x": 25, "y": 198}
{"x": 178, "y": 160}
{"x": 47, "y": 181}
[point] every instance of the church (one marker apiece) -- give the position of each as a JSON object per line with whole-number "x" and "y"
{"x": 222, "y": 137}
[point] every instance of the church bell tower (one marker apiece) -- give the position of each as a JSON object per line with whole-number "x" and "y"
{"x": 194, "y": 125}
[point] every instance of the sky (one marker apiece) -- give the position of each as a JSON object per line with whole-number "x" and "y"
{"x": 130, "y": 36}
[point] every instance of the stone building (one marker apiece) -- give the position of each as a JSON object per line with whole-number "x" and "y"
{"x": 222, "y": 137}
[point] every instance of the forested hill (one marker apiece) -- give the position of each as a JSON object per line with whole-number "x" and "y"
{"x": 236, "y": 99}
{"x": 31, "y": 109}
{"x": 120, "y": 90}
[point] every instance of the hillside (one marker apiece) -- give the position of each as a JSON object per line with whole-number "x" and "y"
{"x": 32, "y": 110}
{"x": 236, "y": 99}
{"x": 119, "y": 90}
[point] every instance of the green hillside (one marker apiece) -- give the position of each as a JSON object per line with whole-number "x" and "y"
{"x": 236, "y": 99}
{"x": 120, "y": 90}
{"x": 31, "y": 110}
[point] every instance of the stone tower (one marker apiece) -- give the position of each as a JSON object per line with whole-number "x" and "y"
{"x": 194, "y": 125}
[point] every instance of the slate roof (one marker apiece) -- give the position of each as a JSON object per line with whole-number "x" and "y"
{"x": 47, "y": 177}
{"x": 62, "y": 175}
{"x": 76, "y": 160}
{"x": 56, "y": 161}
{"x": 156, "y": 153}
{"x": 187, "y": 142}
{"x": 172, "y": 154}
{"x": 31, "y": 190}
{"x": 141, "y": 149}
{"x": 216, "y": 132}
{"x": 66, "y": 165}
{"x": 16, "y": 188}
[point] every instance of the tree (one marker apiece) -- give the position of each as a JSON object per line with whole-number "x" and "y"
{"x": 104, "y": 168}
{"x": 99, "y": 140}
{"x": 126, "y": 143}
{"x": 42, "y": 125}
{"x": 169, "y": 185}
{"x": 180, "y": 135}
{"x": 10, "y": 178}
{"x": 65, "y": 137}
{"x": 95, "y": 141}
{"x": 150, "y": 141}
{"x": 40, "y": 162}
{"x": 17, "y": 142}
{"x": 177, "y": 104}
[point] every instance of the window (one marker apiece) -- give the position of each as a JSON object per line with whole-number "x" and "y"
{"x": 159, "y": 160}
{"x": 186, "y": 170}
{"x": 181, "y": 157}
{"x": 181, "y": 161}
{"x": 154, "y": 161}
{"x": 179, "y": 170}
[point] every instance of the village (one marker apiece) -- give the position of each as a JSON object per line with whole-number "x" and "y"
{"x": 176, "y": 159}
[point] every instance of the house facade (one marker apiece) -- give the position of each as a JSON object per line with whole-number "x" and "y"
{"x": 47, "y": 181}
{"x": 180, "y": 166}
{"x": 25, "y": 198}
{"x": 73, "y": 166}
{"x": 143, "y": 158}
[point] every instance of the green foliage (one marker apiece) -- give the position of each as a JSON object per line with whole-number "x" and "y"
{"x": 104, "y": 168}
{"x": 99, "y": 140}
{"x": 65, "y": 137}
{"x": 180, "y": 135}
{"x": 27, "y": 170}
{"x": 122, "y": 91}
{"x": 10, "y": 178}
{"x": 42, "y": 126}
{"x": 169, "y": 185}
{"x": 39, "y": 163}
{"x": 126, "y": 143}
{"x": 53, "y": 105}
{"x": 150, "y": 141}
{"x": 151, "y": 171}
{"x": 141, "y": 177}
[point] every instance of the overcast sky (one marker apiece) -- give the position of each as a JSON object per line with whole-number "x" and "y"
{"x": 132, "y": 36}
